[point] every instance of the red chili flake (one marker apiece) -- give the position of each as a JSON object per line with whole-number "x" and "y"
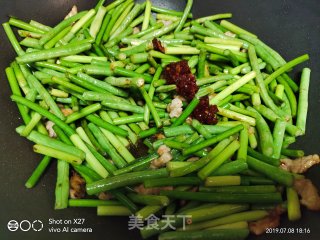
{"x": 205, "y": 113}
{"x": 157, "y": 45}
{"x": 186, "y": 86}
{"x": 180, "y": 74}
{"x": 173, "y": 70}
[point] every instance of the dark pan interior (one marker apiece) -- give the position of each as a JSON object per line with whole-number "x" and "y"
{"x": 291, "y": 27}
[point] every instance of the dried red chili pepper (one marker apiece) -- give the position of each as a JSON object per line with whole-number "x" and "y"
{"x": 179, "y": 73}
{"x": 157, "y": 45}
{"x": 186, "y": 86}
{"x": 205, "y": 113}
{"x": 173, "y": 70}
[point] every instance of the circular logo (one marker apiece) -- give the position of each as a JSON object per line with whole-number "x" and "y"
{"x": 13, "y": 225}
{"x": 37, "y": 225}
{"x": 25, "y": 225}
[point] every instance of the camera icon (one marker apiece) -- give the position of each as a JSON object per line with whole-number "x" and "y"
{"x": 13, "y": 225}
{"x": 25, "y": 225}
